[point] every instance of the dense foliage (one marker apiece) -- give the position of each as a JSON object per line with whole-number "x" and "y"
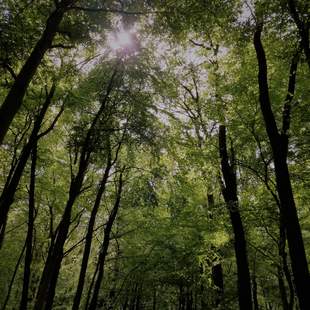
{"x": 154, "y": 154}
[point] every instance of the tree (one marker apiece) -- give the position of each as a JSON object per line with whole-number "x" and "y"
{"x": 120, "y": 187}
{"x": 230, "y": 195}
{"x": 279, "y": 144}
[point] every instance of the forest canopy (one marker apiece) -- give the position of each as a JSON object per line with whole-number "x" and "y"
{"x": 154, "y": 154}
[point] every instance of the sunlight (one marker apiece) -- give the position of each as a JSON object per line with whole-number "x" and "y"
{"x": 120, "y": 40}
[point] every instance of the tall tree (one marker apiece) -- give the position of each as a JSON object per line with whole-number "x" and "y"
{"x": 46, "y": 291}
{"x": 279, "y": 145}
{"x": 12, "y": 182}
{"x": 231, "y": 198}
{"x": 105, "y": 245}
{"x": 14, "y": 98}
{"x": 90, "y": 230}
{"x": 299, "y": 11}
{"x": 30, "y": 231}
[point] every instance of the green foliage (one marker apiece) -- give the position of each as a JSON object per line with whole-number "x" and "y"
{"x": 193, "y": 67}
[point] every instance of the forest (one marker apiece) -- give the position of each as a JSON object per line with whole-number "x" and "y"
{"x": 154, "y": 154}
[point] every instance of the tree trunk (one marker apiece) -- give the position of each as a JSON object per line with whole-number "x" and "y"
{"x": 284, "y": 270}
{"x": 279, "y": 145}
{"x": 255, "y": 299}
{"x": 105, "y": 245}
{"x": 47, "y": 286}
{"x": 229, "y": 190}
{"x": 14, "y": 98}
{"x": 29, "y": 238}
{"x": 90, "y": 289}
{"x": 217, "y": 277}
{"x": 89, "y": 235}
{"x": 7, "y": 298}
{"x": 154, "y": 299}
{"x": 7, "y": 196}
{"x": 46, "y": 291}
{"x": 302, "y": 26}
{"x": 282, "y": 289}
{"x": 138, "y": 298}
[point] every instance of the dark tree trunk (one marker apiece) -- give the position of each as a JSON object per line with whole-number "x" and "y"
{"x": 47, "y": 286}
{"x": 279, "y": 145}
{"x": 138, "y": 298}
{"x": 7, "y": 196}
{"x": 14, "y": 98}
{"x": 105, "y": 245}
{"x": 302, "y": 26}
{"x": 89, "y": 235}
{"x": 7, "y": 298}
{"x": 217, "y": 277}
{"x": 29, "y": 238}
{"x": 133, "y": 297}
{"x": 284, "y": 270}
{"x": 282, "y": 289}
{"x": 125, "y": 303}
{"x": 189, "y": 299}
{"x": 154, "y": 299}
{"x": 46, "y": 291}
{"x": 90, "y": 289}
{"x": 229, "y": 190}
{"x": 181, "y": 298}
{"x": 255, "y": 299}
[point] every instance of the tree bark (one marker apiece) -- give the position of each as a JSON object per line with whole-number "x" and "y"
{"x": 14, "y": 98}
{"x": 7, "y": 298}
{"x": 279, "y": 146}
{"x": 284, "y": 270}
{"x": 29, "y": 238}
{"x": 154, "y": 301}
{"x": 105, "y": 244}
{"x": 7, "y": 196}
{"x": 229, "y": 190}
{"x": 302, "y": 26}
{"x": 89, "y": 235}
{"x": 217, "y": 277}
{"x": 46, "y": 291}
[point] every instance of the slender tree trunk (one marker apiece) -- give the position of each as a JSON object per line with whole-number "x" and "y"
{"x": 47, "y": 286}
{"x": 138, "y": 298}
{"x": 7, "y": 196}
{"x": 302, "y": 26}
{"x": 217, "y": 277}
{"x": 105, "y": 245}
{"x": 133, "y": 297}
{"x": 254, "y": 286}
{"x": 89, "y": 235}
{"x": 46, "y": 291}
{"x": 279, "y": 145}
{"x": 29, "y": 238}
{"x": 14, "y": 98}
{"x": 7, "y": 298}
{"x": 229, "y": 190}
{"x": 284, "y": 270}
{"x": 90, "y": 289}
{"x": 282, "y": 289}
{"x": 125, "y": 303}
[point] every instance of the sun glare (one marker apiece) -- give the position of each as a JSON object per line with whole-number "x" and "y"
{"x": 120, "y": 40}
